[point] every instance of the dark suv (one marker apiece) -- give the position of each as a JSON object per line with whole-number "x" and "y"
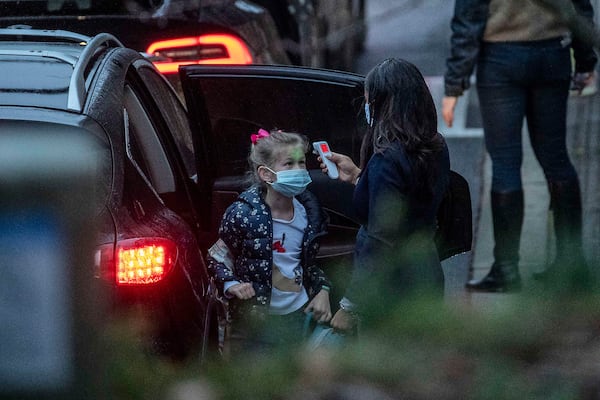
{"x": 61, "y": 81}
{"x": 171, "y": 172}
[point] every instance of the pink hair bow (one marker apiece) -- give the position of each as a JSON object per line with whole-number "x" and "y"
{"x": 256, "y": 137}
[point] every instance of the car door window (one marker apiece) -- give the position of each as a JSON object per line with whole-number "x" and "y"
{"x": 174, "y": 114}
{"x": 157, "y": 151}
{"x": 144, "y": 147}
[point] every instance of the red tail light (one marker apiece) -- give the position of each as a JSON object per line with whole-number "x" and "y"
{"x": 139, "y": 261}
{"x": 205, "y": 49}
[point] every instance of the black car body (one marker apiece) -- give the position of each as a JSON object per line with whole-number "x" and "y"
{"x": 54, "y": 81}
{"x": 172, "y": 171}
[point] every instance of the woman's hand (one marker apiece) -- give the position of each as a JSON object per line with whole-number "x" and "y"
{"x": 342, "y": 321}
{"x": 320, "y": 307}
{"x": 448, "y": 106}
{"x": 584, "y": 83}
{"x": 348, "y": 171}
{"x": 242, "y": 291}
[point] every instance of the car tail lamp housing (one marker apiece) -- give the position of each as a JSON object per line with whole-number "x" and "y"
{"x": 168, "y": 55}
{"x": 137, "y": 262}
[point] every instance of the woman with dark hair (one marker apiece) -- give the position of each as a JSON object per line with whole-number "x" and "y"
{"x": 403, "y": 174}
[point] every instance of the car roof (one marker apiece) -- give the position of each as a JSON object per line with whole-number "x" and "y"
{"x": 15, "y": 8}
{"x": 47, "y": 68}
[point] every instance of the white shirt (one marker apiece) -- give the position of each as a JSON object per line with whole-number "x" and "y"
{"x": 287, "y": 252}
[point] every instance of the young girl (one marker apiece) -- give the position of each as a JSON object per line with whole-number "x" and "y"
{"x": 264, "y": 260}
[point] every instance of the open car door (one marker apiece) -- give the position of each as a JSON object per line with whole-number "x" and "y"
{"x": 227, "y": 104}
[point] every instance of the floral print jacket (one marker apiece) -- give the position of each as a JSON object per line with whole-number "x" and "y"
{"x": 247, "y": 230}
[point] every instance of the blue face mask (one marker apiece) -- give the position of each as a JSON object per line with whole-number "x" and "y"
{"x": 290, "y": 182}
{"x": 368, "y": 114}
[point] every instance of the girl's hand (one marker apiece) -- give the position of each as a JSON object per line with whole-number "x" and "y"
{"x": 242, "y": 291}
{"x": 348, "y": 171}
{"x": 342, "y": 321}
{"x": 320, "y": 307}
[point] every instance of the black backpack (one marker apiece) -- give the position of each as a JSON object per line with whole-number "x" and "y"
{"x": 454, "y": 234}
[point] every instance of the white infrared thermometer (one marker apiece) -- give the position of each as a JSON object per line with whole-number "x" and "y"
{"x": 322, "y": 149}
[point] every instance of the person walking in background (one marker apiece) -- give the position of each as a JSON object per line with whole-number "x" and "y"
{"x": 264, "y": 260}
{"x": 522, "y": 51}
{"x": 403, "y": 175}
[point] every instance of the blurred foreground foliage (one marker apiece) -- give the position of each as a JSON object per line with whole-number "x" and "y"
{"x": 533, "y": 345}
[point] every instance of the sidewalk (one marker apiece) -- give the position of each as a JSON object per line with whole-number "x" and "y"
{"x": 583, "y": 139}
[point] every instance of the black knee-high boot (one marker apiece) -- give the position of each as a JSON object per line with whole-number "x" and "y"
{"x": 569, "y": 265}
{"x": 507, "y": 218}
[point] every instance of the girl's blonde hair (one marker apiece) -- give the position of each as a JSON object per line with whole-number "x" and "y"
{"x": 265, "y": 150}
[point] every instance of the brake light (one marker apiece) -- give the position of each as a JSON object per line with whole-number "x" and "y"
{"x": 206, "y": 49}
{"x": 138, "y": 261}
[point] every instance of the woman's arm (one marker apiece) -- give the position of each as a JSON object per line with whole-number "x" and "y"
{"x": 388, "y": 186}
{"x": 468, "y": 25}
{"x": 583, "y": 51}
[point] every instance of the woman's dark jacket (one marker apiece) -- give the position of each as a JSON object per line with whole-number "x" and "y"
{"x": 247, "y": 229}
{"x": 468, "y": 25}
{"x": 398, "y": 223}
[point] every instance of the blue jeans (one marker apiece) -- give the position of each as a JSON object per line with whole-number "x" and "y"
{"x": 517, "y": 80}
